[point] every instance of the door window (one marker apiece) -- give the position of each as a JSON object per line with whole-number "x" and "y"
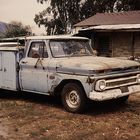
{"x": 38, "y": 50}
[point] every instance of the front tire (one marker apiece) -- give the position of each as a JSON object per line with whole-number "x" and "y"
{"x": 73, "y": 98}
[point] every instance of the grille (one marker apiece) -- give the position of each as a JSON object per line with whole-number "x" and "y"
{"x": 109, "y": 84}
{"x": 118, "y": 82}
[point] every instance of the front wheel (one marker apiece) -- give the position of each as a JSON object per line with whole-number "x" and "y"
{"x": 73, "y": 98}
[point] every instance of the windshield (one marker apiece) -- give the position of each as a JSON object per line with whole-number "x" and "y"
{"x": 70, "y": 48}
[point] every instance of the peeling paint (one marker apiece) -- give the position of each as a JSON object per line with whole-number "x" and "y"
{"x": 90, "y": 80}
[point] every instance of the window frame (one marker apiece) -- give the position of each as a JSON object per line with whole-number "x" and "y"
{"x": 62, "y": 40}
{"x": 30, "y": 47}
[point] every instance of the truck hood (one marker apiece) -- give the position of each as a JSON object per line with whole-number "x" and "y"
{"x": 91, "y": 64}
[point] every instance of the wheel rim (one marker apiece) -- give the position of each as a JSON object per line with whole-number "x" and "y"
{"x": 73, "y": 99}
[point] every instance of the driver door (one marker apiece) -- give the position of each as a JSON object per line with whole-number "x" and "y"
{"x": 34, "y": 72}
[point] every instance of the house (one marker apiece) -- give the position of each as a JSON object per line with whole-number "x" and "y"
{"x": 112, "y": 34}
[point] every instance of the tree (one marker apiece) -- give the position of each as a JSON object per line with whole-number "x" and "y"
{"x": 60, "y": 16}
{"x": 16, "y": 29}
{"x": 127, "y": 5}
{"x": 91, "y": 7}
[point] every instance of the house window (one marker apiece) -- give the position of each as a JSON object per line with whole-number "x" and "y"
{"x": 104, "y": 46}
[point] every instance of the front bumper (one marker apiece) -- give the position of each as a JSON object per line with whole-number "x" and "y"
{"x": 112, "y": 93}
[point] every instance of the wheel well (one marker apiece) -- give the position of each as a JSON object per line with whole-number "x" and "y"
{"x": 58, "y": 89}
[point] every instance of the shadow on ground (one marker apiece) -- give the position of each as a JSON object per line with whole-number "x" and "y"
{"x": 30, "y": 97}
{"x": 93, "y": 108}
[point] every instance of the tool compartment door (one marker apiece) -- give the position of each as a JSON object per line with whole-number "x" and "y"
{"x": 8, "y": 74}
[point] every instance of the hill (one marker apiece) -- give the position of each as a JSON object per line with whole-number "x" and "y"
{"x": 2, "y": 27}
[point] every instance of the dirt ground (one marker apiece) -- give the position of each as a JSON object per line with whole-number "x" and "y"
{"x": 25, "y": 116}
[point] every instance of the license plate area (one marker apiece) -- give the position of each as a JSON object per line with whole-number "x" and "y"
{"x": 124, "y": 89}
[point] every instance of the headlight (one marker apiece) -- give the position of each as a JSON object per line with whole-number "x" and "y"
{"x": 100, "y": 85}
{"x": 138, "y": 78}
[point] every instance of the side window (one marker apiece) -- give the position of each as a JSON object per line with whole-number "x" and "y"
{"x": 38, "y": 50}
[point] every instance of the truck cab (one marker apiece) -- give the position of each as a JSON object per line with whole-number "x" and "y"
{"x": 66, "y": 66}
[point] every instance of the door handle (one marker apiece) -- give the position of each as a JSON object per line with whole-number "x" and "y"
{"x": 24, "y": 62}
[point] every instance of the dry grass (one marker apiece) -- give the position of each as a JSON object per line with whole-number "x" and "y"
{"x": 36, "y": 117}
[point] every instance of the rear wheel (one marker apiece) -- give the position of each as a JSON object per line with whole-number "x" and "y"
{"x": 73, "y": 98}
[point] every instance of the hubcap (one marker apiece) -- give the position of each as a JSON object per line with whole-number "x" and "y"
{"x": 72, "y": 99}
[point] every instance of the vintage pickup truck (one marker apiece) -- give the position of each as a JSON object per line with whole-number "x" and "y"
{"x": 66, "y": 66}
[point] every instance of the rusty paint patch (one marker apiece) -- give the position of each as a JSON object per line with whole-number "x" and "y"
{"x": 51, "y": 77}
{"x": 89, "y": 80}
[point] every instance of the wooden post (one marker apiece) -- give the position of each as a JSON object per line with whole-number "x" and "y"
{"x": 133, "y": 45}
{"x": 92, "y": 40}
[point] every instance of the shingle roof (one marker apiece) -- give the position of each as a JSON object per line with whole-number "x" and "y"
{"x": 130, "y": 17}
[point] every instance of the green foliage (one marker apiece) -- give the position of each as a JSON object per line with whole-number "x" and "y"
{"x": 61, "y": 15}
{"x": 16, "y": 29}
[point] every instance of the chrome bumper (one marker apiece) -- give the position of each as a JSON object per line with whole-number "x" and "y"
{"x": 112, "y": 93}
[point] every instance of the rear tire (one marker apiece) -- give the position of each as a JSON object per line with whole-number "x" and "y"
{"x": 73, "y": 98}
